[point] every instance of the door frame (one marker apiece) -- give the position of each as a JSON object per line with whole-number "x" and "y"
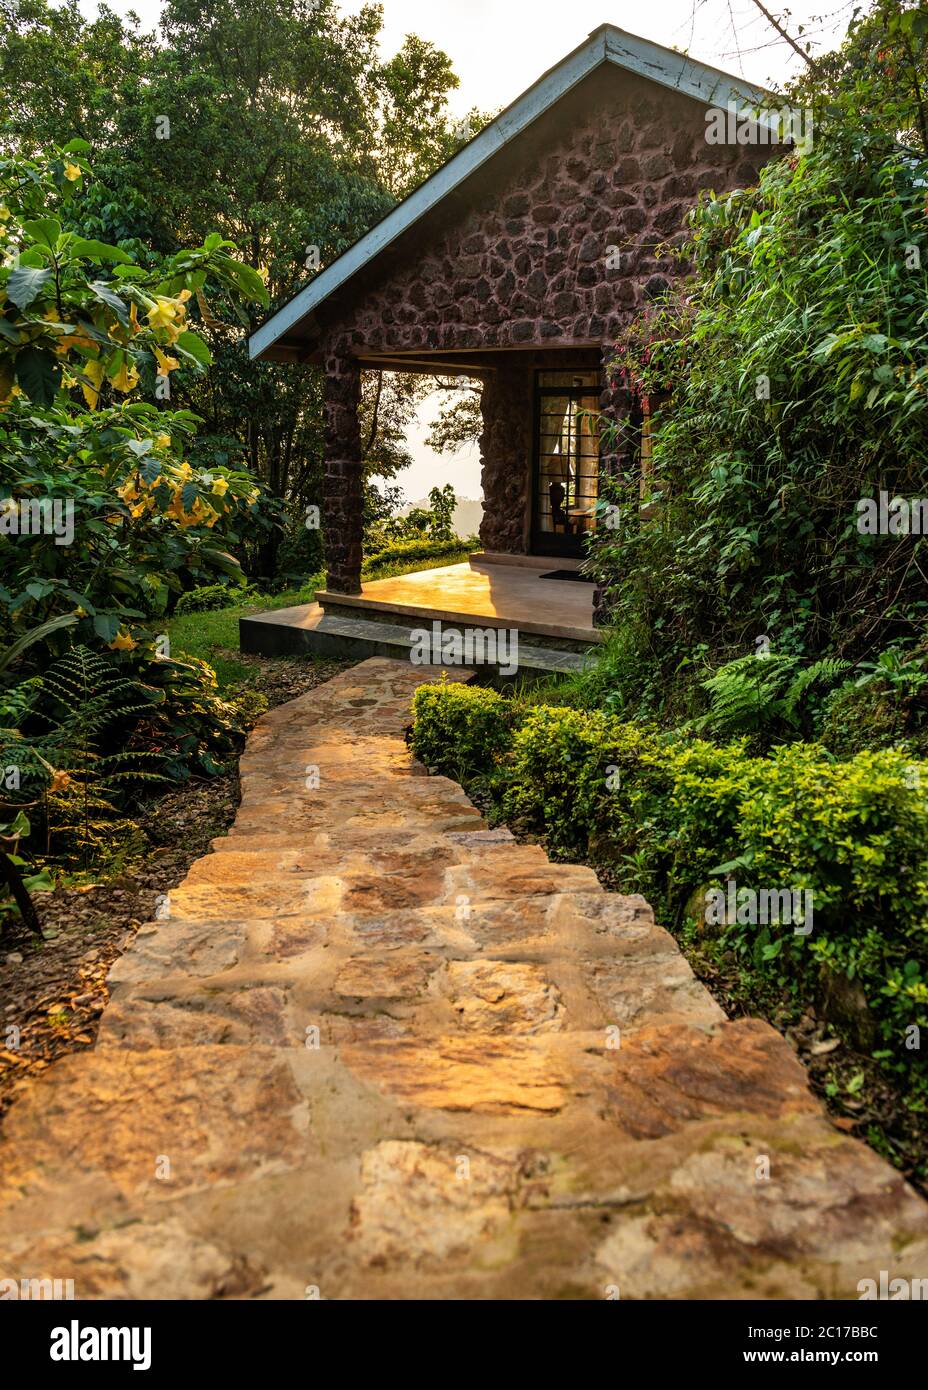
{"x": 549, "y": 542}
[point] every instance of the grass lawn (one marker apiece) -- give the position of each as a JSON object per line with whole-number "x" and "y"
{"x": 213, "y": 636}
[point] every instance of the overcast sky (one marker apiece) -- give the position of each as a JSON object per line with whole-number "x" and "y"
{"x": 499, "y": 47}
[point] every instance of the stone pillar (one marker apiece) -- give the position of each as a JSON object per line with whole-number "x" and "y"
{"x": 505, "y": 453}
{"x": 343, "y": 517}
{"x": 617, "y": 459}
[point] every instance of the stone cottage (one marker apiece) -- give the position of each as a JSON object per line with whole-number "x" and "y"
{"x": 518, "y": 263}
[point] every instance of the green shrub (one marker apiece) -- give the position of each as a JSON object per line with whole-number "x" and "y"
{"x": 796, "y": 288}
{"x": 856, "y": 834}
{"x": 460, "y": 729}
{"x": 569, "y": 769}
{"x": 210, "y": 596}
{"x": 710, "y": 786}
{"x": 886, "y": 705}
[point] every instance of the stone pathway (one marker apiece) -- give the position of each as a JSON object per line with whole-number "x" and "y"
{"x": 378, "y": 1051}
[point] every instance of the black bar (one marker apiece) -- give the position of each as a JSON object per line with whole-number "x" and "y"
{"x": 229, "y": 1337}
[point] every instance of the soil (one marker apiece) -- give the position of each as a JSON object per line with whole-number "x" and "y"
{"x": 53, "y": 990}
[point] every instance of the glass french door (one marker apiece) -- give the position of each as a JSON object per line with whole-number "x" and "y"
{"x": 566, "y": 461}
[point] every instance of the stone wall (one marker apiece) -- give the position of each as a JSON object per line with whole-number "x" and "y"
{"x": 344, "y": 500}
{"x": 521, "y": 258}
{"x": 505, "y": 454}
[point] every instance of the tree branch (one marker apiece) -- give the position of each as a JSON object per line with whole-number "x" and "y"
{"x": 373, "y": 434}
{"x": 784, "y": 35}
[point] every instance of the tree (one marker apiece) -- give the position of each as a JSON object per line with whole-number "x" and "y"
{"x": 879, "y": 75}
{"x": 106, "y": 512}
{"x": 459, "y": 421}
{"x": 417, "y": 135}
{"x": 277, "y": 125}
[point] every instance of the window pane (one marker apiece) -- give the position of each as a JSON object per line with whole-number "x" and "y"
{"x": 576, "y": 379}
{"x": 568, "y": 454}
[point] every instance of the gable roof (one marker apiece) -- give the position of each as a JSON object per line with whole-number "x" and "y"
{"x": 607, "y": 44}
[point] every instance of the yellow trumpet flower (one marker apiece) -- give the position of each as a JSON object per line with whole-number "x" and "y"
{"x": 165, "y": 313}
{"x": 72, "y": 172}
{"x": 176, "y": 506}
{"x": 72, "y": 340}
{"x": 123, "y": 642}
{"x": 126, "y": 379}
{"x": 165, "y": 364}
{"x": 93, "y": 370}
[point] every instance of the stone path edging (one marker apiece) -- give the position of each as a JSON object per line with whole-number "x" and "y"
{"x": 379, "y": 1051}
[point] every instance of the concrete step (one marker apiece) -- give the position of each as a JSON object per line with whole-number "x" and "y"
{"x": 324, "y": 634}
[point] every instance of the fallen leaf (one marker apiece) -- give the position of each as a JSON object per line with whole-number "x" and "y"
{"x": 820, "y": 1048}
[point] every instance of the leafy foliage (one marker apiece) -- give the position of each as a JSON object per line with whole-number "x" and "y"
{"x": 401, "y": 553}
{"x": 879, "y": 75}
{"x": 211, "y": 596}
{"x": 432, "y": 525}
{"x": 766, "y": 693}
{"x": 318, "y": 136}
{"x": 103, "y": 518}
{"x": 796, "y": 362}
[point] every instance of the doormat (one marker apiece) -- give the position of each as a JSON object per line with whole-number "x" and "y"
{"x": 569, "y": 574}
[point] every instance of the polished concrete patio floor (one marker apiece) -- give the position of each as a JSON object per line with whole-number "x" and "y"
{"x": 498, "y": 595}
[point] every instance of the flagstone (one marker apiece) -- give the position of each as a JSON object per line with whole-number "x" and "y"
{"x": 202, "y": 1018}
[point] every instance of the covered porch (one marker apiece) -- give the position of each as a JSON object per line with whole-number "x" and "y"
{"x": 552, "y": 617}
{"x": 541, "y": 451}
{"x": 542, "y": 456}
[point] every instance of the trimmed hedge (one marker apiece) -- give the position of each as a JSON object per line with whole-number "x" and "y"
{"x": 676, "y": 815}
{"x": 400, "y": 552}
{"x": 459, "y": 728}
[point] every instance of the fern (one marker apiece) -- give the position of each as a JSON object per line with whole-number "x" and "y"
{"x": 754, "y": 694}
{"x": 746, "y": 694}
{"x": 67, "y": 722}
{"x": 824, "y": 673}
